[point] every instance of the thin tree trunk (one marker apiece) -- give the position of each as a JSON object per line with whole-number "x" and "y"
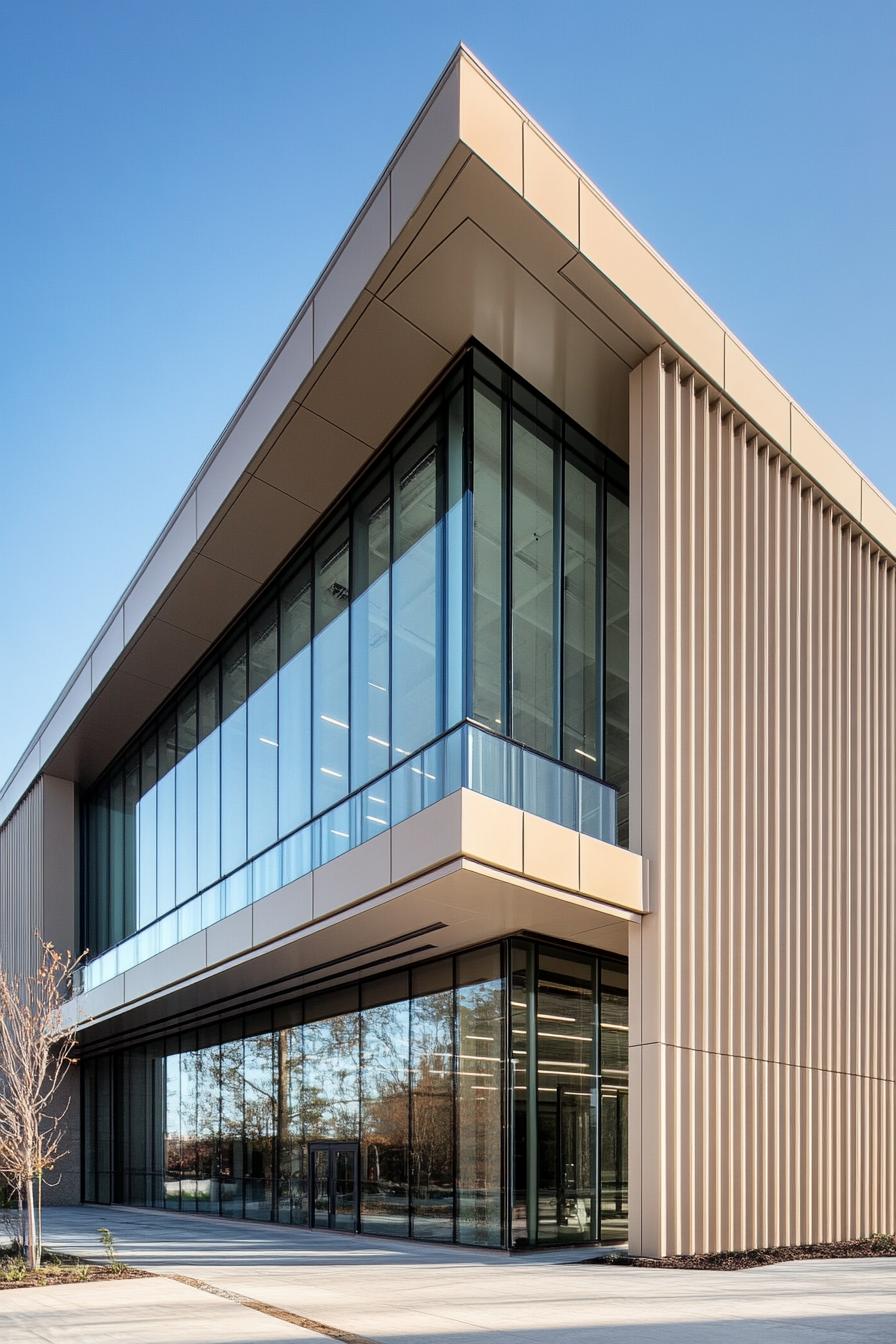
{"x": 33, "y": 1259}
{"x": 21, "y": 1219}
{"x": 40, "y": 1216}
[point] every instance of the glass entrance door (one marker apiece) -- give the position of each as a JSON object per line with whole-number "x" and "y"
{"x": 333, "y": 1175}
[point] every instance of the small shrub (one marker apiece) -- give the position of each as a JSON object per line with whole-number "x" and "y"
{"x": 108, "y": 1243}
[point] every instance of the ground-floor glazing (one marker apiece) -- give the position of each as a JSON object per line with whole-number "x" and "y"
{"x": 480, "y": 1098}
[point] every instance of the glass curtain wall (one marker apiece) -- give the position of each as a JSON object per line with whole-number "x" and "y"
{"x": 568, "y": 1096}
{"x": 480, "y": 571}
{"x": 227, "y": 1112}
{"x": 507, "y": 1058}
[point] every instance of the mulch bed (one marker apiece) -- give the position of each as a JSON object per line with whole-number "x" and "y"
{"x": 57, "y": 1268}
{"x": 774, "y": 1255}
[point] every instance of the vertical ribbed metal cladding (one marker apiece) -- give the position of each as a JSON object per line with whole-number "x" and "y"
{"x": 21, "y": 883}
{"x": 763, "y": 980}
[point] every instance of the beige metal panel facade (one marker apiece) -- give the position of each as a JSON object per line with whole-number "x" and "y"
{"x": 21, "y": 882}
{"x": 38, "y": 889}
{"x": 764, "y": 684}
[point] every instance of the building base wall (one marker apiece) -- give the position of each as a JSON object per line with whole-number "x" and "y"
{"x": 63, "y": 1184}
{"x": 738, "y": 1153}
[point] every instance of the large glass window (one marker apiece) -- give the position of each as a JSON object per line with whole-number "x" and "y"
{"x": 487, "y": 639}
{"x": 478, "y": 571}
{"x": 331, "y": 1068}
{"x": 185, "y": 791}
{"x": 480, "y": 1084}
{"x": 231, "y": 1167}
{"x": 432, "y": 1102}
{"x": 146, "y": 834}
{"x": 208, "y": 776}
{"x": 567, "y": 1096}
{"x": 613, "y": 1103}
{"x": 370, "y": 672}
{"x": 294, "y": 688}
{"x": 262, "y": 731}
{"x": 582, "y": 696}
{"x": 259, "y": 1118}
{"x": 416, "y": 700}
{"x": 384, "y": 1106}
{"x": 616, "y": 697}
{"x": 408, "y": 1075}
{"x": 234, "y": 689}
{"x": 533, "y": 639}
{"x": 166, "y": 861}
{"x": 331, "y": 670}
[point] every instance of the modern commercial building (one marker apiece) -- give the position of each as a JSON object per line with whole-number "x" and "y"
{"x": 479, "y": 808}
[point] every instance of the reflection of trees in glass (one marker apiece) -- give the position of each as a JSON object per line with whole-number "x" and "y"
{"x": 258, "y": 1103}
{"x": 384, "y": 1110}
{"x": 230, "y": 1074}
{"x": 431, "y": 1080}
{"x": 207, "y": 1110}
{"x": 329, "y": 1096}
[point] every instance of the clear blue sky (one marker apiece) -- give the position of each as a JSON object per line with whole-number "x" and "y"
{"x": 174, "y": 175}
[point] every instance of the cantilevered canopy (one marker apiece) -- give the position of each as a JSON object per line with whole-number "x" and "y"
{"x": 479, "y": 226}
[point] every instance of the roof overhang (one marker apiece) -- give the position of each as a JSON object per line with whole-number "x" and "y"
{"x": 479, "y": 226}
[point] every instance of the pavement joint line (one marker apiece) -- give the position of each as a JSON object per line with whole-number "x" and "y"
{"x": 279, "y": 1313}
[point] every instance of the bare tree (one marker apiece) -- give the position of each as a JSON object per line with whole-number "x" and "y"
{"x": 36, "y": 1051}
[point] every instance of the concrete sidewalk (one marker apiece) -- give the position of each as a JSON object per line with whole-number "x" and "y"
{"x": 135, "y": 1311}
{"x": 397, "y": 1292}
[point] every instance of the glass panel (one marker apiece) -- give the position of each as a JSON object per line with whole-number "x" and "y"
{"x": 146, "y": 835}
{"x": 344, "y": 1162}
{"x": 131, "y": 801}
{"x": 416, "y": 700}
{"x": 488, "y": 559}
{"x": 532, "y": 637}
{"x": 582, "y": 692}
{"x": 231, "y": 1147}
{"x": 454, "y": 637}
{"x": 263, "y": 742}
{"x": 294, "y": 689}
{"x": 335, "y": 832}
{"x": 384, "y": 1116}
{"x": 208, "y": 776}
{"x": 320, "y": 1193}
{"x": 185, "y": 787}
{"x": 331, "y": 624}
{"x": 370, "y": 812}
{"x": 297, "y": 852}
{"x": 525, "y": 1146}
{"x": 173, "y": 1154}
{"x": 493, "y": 767}
{"x": 208, "y": 1101}
{"x": 432, "y": 1109}
{"x": 188, "y": 1122}
{"x": 614, "y": 1104}
{"x": 233, "y": 755}
{"x": 617, "y": 601}
{"x": 259, "y": 1120}
{"x": 291, "y": 1126}
{"x": 165, "y": 816}
{"x": 480, "y": 1080}
{"x": 370, "y": 637}
{"x": 567, "y": 1096}
{"x": 549, "y": 790}
{"x": 331, "y": 1077}
{"x": 116, "y": 858}
{"x": 597, "y": 809}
